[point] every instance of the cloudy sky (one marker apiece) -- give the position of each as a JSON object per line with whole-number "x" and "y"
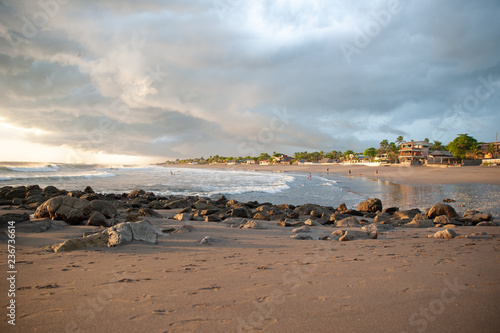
{"x": 131, "y": 81}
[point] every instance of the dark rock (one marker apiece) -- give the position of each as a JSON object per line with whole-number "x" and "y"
{"x": 149, "y": 213}
{"x": 237, "y": 212}
{"x": 183, "y": 217}
{"x": 177, "y": 203}
{"x": 261, "y": 216}
{"x": 370, "y": 206}
{"x": 34, "y": 198}
{"x": 221, "y": 200}
{"x": 76, "y": 194}
{"x": 284, "y": 224}
{"x": 88, "y": 189}
{"x": 66, "y": 208}
{"x": 475, "y": 216}
{"x": 231, "y": 203}
{"x": 406, "y": 214}
{"x": 16, "y": 217}
{"x": 17, "y": 201}
{"x": 212, "y": 218}
{"x": 441, "y": 209}
{"x": 448, "y": 200}
{"x": 444, "y": 220}
{"x": 338, "y": 216}
{"x": 391, "y": 210}
{"x": 43, "y": 225}
{"x": 420, "y": 221}
{"x": 342, "y": 207}
{"x": 353, "y": 212}
{"x": 286, "y": 207}
{"x": 135, "y": 194}
{"x": 252, "y": 204}
{"x": 50, "y": 190}
{"x": 383, "y": 218}
{"x": 18, "y": 192}
{"x": 90, "y": 196}
{"x": 97, "y": 219}
{"x": 106, "y": 208}
{"x": 155, "y": 204}
{"x": 348, "y": 222}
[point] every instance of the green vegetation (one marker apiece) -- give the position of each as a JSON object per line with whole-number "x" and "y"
{"x": 463, "y": 146}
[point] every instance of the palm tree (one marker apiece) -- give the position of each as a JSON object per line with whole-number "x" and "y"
{"x": 400, "y": 140}
{"x": 384, "y": 146}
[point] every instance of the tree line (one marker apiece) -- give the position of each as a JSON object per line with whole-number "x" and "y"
{"x": 462, "y": 147}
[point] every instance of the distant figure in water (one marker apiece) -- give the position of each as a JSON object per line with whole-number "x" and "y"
{"x": 309, "y": 176}
{"x": 349, "y": 172}
{"x": 376, "y": 171}
{"x": 173, "y": 174}
{"x": 327, "y": 169}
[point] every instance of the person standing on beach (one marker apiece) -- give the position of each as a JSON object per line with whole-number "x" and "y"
{"x": 309, "y": 176}
{"x": 349, "y": 172}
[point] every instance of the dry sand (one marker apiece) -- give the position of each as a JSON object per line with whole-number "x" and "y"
{"x": 420, "y": 175}
{"x": 258, "y": 281}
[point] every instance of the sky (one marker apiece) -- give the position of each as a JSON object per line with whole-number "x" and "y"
{"x": 147, "y": 81}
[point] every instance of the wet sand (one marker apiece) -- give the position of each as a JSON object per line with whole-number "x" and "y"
{"x": 420, "y": 175}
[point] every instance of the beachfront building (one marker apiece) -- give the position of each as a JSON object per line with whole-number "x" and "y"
{"x": 414, "y": 152}
{"x": 382, "y": 157}
{"x": 283, "y": 159}
{"x": 251, "y": 162}
{"x": 264, "y": 162}
{"x": 485, "y": 148}
{"x": 441, "y": 157}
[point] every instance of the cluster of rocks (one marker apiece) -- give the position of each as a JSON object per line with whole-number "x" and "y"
{"x": 91, "y": 208}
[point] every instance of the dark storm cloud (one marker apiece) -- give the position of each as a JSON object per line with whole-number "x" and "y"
{"x": 192, "y": 78}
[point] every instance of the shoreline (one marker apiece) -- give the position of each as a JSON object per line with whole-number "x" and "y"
{"x": 255, "y": 274}
{"x": 403, "y": 175}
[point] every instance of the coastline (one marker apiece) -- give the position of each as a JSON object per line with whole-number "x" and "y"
{"x": 256, "y": 278}
{"x": 419, "y": 175}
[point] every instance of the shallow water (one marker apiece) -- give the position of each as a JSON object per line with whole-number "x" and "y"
{"x": 294, "y": 188}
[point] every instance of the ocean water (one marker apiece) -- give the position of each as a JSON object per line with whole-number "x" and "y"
{"x": 294, "y": 188}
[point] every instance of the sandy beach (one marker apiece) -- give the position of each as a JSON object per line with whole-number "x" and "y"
{"x": 421, "y": 175}
{"x": 256, "y": 280}
{"x": 261, "y": 280}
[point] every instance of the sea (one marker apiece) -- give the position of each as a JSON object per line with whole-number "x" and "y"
{"x": 327, "y": 189}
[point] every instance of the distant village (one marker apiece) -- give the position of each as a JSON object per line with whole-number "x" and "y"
{"x": 464, "y": 150}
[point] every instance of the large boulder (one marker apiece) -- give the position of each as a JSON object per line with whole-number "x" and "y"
{"x": 119, "y": 234}
{"x": 420, "y": 221}
{"x": 445, "y": 220}
{"x": 66, "y": 208}
{"x": 95, "y": 240}
{"x": 145, "y": 231}
{"x": 445, "y": 234}
{"x": 16, "y": 217}
{"x": 312, "y": 210}
{"x": 97, "y": 219}
{"x": 406, "y": 214}
{"x": 441, "y": 209}
{"x": 377, "y": 227}
{"x": 475, "y": 216}
{"x": 17, "y": 192}
{"x": 370, "y": 206}
{"x": 37, "y": 226}
{"x": 106, "y": 208}
{"x": 348, "y": 222}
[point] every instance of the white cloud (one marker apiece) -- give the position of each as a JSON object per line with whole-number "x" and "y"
{"x": 192, "y": 78}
